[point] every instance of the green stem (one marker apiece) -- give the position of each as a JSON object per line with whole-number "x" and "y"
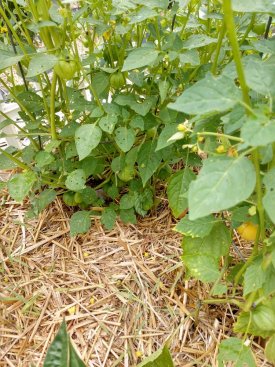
{"x": 52, "y": 107}
{"x": 15, "y": 160}
{"x": 219, "y": 135}
{"x": 221, "y": 301}
{"x": 218, "y": 49}
{"x": 232, "y": 35}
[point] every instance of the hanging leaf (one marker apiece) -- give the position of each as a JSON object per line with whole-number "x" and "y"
{"x": 87, "y": 137}
{"x": 76, "y": 180}
{"x": 140, "y": 57}
{"x": 40, "y": 63}
{"x": 124, "y": 138}
{"x": 20, "y": 185}
{"x": 61, "y": 352}
{"x": 148, "y": 160}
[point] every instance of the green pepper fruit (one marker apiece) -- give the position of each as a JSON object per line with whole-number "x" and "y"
{"x": 259, "y": 28}
{"x": 117, "y": 80}
{"x": 66, "y": 68}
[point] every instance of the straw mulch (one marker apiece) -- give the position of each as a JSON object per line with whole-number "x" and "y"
{"x": 122, "y": 293}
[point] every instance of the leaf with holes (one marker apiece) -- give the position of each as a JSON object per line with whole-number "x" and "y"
{"x": 87, "y": 138}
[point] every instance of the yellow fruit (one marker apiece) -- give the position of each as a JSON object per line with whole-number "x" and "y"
{"x": 72, "y": 310}
{"x": 248, "y": 231}
{"x": 221, "y": 149}
{"x": 181, "y": 127}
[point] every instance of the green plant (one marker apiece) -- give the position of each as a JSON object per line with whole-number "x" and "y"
{"x": 62, "y": 354}
{"x": 169, "y": 87}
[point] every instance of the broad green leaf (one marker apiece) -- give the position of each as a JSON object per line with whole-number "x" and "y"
{"x": 76, "y": 180}
{"x": 61, "y": 352}
{"x": 196, "y": 228}
{"x": 148, "y": 160}
{"x": 20, "y": 185}
{"x": 166, "y": 133}
{"x": 201, "y": 256}
{"x": 210, "y": 94}
{"x": 164, "y": 86}
{"x": 266, "y": 46}
{"x": 43, "y": 159}
{"x": 8, "y": 59}
{"x": 40, "y": 63}
{"x": 257, "y": 6}
{"x": 198, "y": 40}
{"x": 80, "y": 222}
{"x": 252, "y": 283}
{"x": 221, "y": 184}
{"x": 191, "y": 57}
{"x": 163, "y": 4}
{"x": 269, "y": 197}
{"x": 87, "y": 137}
{"x": 140, "y": 57}
{"x": 127, "y": 201}
{"x": 5, "y": 162}
{"x": 161, "y": 358}
{"x": 108, "y": 218}
{"x": 177, "y": 191}
{"x": 124, "y": 138}
{"x": 143, "y": 14}
{"x": 128, "y": 216}
{"x": 245, "y": 324}
{"x": 260, "y": 75}
{"x": 270, "y": 349}
{"x": 108, "y": 123}
{"x": 100, "y": 83}
{"x": 43, "y": 200}
{"x": 234, "y": 350}
{"x": 258, "y": 131}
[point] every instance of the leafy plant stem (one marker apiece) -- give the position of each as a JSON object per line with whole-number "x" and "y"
{"x": 14, "y": 159}
{"x": 52, "y": 107}
{"x": 219, "y": 135}
{"x": 218, "y": 49}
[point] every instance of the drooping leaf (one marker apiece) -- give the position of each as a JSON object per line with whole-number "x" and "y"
{"x": 40, "y": 63}
{"x": 80, "y": 222}
{"x": 8, "y": 59}
{"x": 260, "y": 75}
{"x": 234, "y": 350}
{"x": 210, "y": 94}
{"x": 251, "y": 282}
{"x": 76, "y": 180}
{"x": 61, "y": 352}
{"x": 196, "y": 228}
{"x": 198, "y": 40}
{"x": 166, "y": 133}
{"x": 108, "y": 218}
{"x": 201, "y": 256}
{"x": 108, "y": 123}
{"x": 20, "y": 185}
{"x": 43, "y": 159}
{"x": 87, "y": 137}
{"x": 269, "y": 197}
{"x": 161, "y": 358}
{"x": 221, "y": 184}
{"x": 148, "y": 160}
{"x": 140, "y": 57}
{"x": 177, "y": 191}
{"x": 124, "y": 138}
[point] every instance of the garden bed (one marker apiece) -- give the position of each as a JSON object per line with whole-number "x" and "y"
{"x": 123, "y": 293}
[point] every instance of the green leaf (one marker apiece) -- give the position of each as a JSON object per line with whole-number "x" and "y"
{"x": 196, "y": 228}
{"x": 198, "y": 40}
{"x": 270, "y": 349}
{"x": 128, "y": 201}
{"x": 20, "y": 185}
{"x": 257, "y": 6}
{"x": 80, "y": 222}
{"x": 166, "y": 133}
{"x": 177, "y": 191}
{"x": 124, "y": 138}
{"x": 164, "y": 86}
{"x": 148, "y": 160}
{"x": 143, "y": 14}
{"x": 108, "y": 218}
{"x": 234, "y": 350}
{"x": 191, "y": 57}
{"x": 87, "y": 138}
{"x": 251, "y": 282}
{"x": 76, "y": 180}
{"x": 43, "y": 200}
{"x": 221, "y": 184}
{"x": 269, "y": 197}
{"x": 202, "y": 255}
{"x": 40, "y": 63}
{"x": 61, "y": 352}
{"x": 260, "y": 75}
{"x": 108, "y": 123}
{"x": 128, "y": 216}
{"x": 8, "y": 59}
{"x": 140, "y": 57}
{"x": 210, "y": 94}
{"x": 258, "y": 131}
{"x": 100, "y": 83}
{"x": 43, "y": 159}
{"x": 5, "y": 162}
{"x": 245, "y": 324}
{"x": 161, "y": 358}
